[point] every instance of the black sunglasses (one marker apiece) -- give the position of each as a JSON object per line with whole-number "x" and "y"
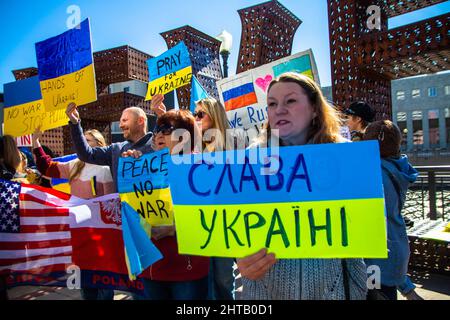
{"x": 200, "y": 114}
{"x": 165, "y": 129}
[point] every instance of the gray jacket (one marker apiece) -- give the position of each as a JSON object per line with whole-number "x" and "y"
{"x": 106, "y": 156}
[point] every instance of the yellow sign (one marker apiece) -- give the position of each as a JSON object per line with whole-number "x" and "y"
{"x": 327, "y": 229}
{"x": 25, "y": 118}
{"x": 169, "y": 82}
{"x": 78, "y": 87}
{"x": 156, "y": 208}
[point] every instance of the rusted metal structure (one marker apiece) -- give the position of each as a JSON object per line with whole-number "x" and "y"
{"x": 115, "y": 65}
{"x": 268, "y": 31}
{"x": 364, "y": 59}
{"x": 204, "y": 52}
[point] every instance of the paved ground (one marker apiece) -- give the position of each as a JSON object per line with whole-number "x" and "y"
{"x": 429, "y": 286}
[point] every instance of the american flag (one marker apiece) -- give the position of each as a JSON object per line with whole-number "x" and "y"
{"x": 46, "y": 231}
{"x": 34, "y": 230}
{"x": 9, "y": 208}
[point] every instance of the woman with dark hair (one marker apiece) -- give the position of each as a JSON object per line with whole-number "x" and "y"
{"x": 299, "y": 115}
{"x": 175, "y": 277}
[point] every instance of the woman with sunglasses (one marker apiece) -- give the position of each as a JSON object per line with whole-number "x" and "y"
{"x": 299, "y": 115}
{"x": 175, "y": 277}
{"x": 212, "y": 119}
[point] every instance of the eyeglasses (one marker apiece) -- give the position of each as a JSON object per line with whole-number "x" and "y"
{"x": 200, "y": 114}
{"x": 165, "y": 129}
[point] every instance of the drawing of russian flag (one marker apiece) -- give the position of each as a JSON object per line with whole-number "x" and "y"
{"x": 239, "y": 97}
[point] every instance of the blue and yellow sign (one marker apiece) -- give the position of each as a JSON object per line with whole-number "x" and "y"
{"x": 24, "y": 109}
{"x": 143, "y": 183}
{"x": 66, "y": 69}
{"x": 315, "y": 201}
{"x": 169, "y": 71}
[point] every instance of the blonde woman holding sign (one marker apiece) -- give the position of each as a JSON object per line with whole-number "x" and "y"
{"x": 301, "y": 115}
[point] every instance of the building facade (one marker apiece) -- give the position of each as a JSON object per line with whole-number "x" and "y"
{"x": 421, "y": 109}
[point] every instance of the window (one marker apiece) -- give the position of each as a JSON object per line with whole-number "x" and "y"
{"x": 400, "y": 95}
{"x": 416, "y": 93}
{"x": 401, "y": 116}
{"x": 432, "y": 92}
{"x": 447, "y": 90}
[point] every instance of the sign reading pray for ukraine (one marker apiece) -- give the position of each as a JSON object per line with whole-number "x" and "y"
{"x": 24, "y": 109}
{"x": 66, "y": 69}
{"x": 315, "y": 201}
{"x": 143, "y": 183}
{"x": 169, "y": 71}
{"x": 244, "y": 95}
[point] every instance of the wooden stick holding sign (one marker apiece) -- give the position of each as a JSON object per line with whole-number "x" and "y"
{"x": 310, "y": 207}
{"x": 169, "y": 71}
{"x": 143, "y": 183}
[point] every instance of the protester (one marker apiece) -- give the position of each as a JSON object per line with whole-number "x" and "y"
{"x": 86, "y": 181}
{"x": 212, "y": 119}
{"x": 11, "y": 161}
{"x": 300, "y": 115}
{"x": 133, "y": 124}
{"x": 397, "y": 175}
{"x": 175, "y": 277}
{"x": 359, "y": 115}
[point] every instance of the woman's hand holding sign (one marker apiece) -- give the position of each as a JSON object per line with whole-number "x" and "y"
{"x": 157, "y": 105}
{"x": 254, "y": 267}
{"x": 132, "y": 153}
{"x": 72, "y": 113}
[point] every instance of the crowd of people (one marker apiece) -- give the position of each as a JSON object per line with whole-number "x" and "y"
{"x": 298, "y": 114}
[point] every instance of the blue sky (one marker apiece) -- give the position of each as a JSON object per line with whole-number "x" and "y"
{"x": 138, "y": 23}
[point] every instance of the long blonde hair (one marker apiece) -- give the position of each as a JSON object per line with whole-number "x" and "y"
{"x": 325, "y": 128}
{"x": 215, "y": 110}
{"x": 11, "y": 154}
{"x": 79, "y": 165}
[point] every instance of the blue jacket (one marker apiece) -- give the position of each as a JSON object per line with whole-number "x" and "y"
{"x": 397, "y": 174}
{"x": 106, "y": 156}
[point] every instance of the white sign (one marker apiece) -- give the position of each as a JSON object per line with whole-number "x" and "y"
{"x": 244, "y": 95}
{"x": 24, "y": 141}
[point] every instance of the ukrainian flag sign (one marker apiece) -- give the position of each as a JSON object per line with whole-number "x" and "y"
{"x": 315, "y": 201}
{"x": 169, "y": 71}
{"x": 143, "y": 183}
{"x": 24, "y": 109}
{"x": 66, "y": 69}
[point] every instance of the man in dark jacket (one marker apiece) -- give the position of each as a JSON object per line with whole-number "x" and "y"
{"x": 133, "y": 123}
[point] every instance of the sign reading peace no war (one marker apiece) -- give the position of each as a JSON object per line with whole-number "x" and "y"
{"x": 24, "y": 109}
{"x": 309, "y": 206}
{"x": 169, "y": 71}
{"x": 244, "y": 95}
{"x": 66, "y": 69}
{"x": 143, "y": 184}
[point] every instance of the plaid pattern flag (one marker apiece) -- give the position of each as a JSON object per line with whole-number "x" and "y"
{"x": 9, "y": 208}
{"x": 47, "y": 231}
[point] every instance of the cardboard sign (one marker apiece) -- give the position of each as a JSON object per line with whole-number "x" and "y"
{"x": 66, "y": 69}
{"x": 320, "y": 202}
{"x": 143, "y": 183}
{"x": 244, "y": 95}
{"x": 169, "y": 71}
{"x": 24, "y": 109}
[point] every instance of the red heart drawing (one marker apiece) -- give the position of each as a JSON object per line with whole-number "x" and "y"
{"x": 264, "y": 83}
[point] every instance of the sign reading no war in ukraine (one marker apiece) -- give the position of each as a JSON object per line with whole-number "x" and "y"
{"x": 169, "y": 71}
{"x": 143, "y": 184}
{"x": 321, "y": 201}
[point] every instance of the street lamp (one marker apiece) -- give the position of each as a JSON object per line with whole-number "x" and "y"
{"x": 225, "y": 48}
